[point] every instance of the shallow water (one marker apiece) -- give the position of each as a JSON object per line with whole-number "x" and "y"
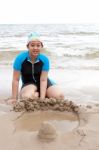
{"x": 63, "y": 122}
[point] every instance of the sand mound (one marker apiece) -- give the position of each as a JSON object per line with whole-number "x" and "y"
{"x": 46, "y": 104}
{"x": 47, "y": 132}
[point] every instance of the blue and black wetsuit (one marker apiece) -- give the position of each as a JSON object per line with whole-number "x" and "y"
{"x": 30, "y": 73}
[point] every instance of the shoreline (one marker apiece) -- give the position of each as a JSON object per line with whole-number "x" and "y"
{"x": 80, "y": 86}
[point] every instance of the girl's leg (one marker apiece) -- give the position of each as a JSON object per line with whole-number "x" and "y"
{"x": 29, "y": 91}
{"x": 54, "y": 92}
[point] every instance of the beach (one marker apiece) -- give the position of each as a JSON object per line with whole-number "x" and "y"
{"x": 82, "y": 135}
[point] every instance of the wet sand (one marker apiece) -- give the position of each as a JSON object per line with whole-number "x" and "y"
{"x": 63, "y": 122}
{"x": 19, "y": 131}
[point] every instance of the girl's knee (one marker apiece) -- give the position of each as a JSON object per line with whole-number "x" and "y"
{"x": 56, "y": 95}
{"x": 55, "y": 92}
{"x": 28, "y": 95}
{"x": 59, "y": 96}
{"x": 28, "y": 91}
{"x": 36, "y": 94}
{"x": 25, "y": 95}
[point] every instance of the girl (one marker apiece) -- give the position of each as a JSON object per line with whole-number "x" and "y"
{"x": 33, "y": 67}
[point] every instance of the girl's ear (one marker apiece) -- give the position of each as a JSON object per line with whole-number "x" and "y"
{"x": 27, "y": 45}
{"x": 42, "y": 44}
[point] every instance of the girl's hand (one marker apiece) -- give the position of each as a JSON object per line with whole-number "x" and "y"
{"x": 11, "y": 101}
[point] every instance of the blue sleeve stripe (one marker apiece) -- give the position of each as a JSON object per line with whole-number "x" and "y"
{"x": 19, "y": 60}
{"x": 45, "y": 61}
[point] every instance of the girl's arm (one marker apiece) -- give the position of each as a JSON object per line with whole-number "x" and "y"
{"x": 43, "y": 84}
{"x": 15, "y": 84}
{"x": 15, "y": 87}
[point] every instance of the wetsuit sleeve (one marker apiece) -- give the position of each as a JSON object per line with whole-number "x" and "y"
{"x": 46, "y": 64}
{"x": 17, "y": 63}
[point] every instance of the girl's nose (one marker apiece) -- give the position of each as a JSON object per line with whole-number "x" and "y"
{"x": 35, "y": 47}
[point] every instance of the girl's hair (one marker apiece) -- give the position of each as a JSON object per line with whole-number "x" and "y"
{"x": 40, "y": 41}
{"x": 33, "y": 37}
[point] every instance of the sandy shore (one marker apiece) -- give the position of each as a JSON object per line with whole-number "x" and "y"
{"x": 82, "y": 132}
{"x": 85, "y": 136}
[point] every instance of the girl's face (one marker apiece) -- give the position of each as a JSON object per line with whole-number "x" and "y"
{"x": 34, "y": 48}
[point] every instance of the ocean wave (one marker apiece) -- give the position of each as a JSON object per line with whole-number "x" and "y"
{"x": 79, "y": 33}
{"x": 92, "y": 55}
{"x": 77, "y": 67}
{"x": 87, "y": 54}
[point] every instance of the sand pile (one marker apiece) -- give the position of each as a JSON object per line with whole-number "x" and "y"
{"x": 47, "y": 132}
{"x": 46, "y": 104}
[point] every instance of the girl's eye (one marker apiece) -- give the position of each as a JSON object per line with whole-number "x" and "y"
{"x": 32, "y": 45}
{"x": 36, "y": 45}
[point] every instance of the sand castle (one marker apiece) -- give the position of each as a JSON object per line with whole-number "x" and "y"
{"x": 47, "y": 132}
